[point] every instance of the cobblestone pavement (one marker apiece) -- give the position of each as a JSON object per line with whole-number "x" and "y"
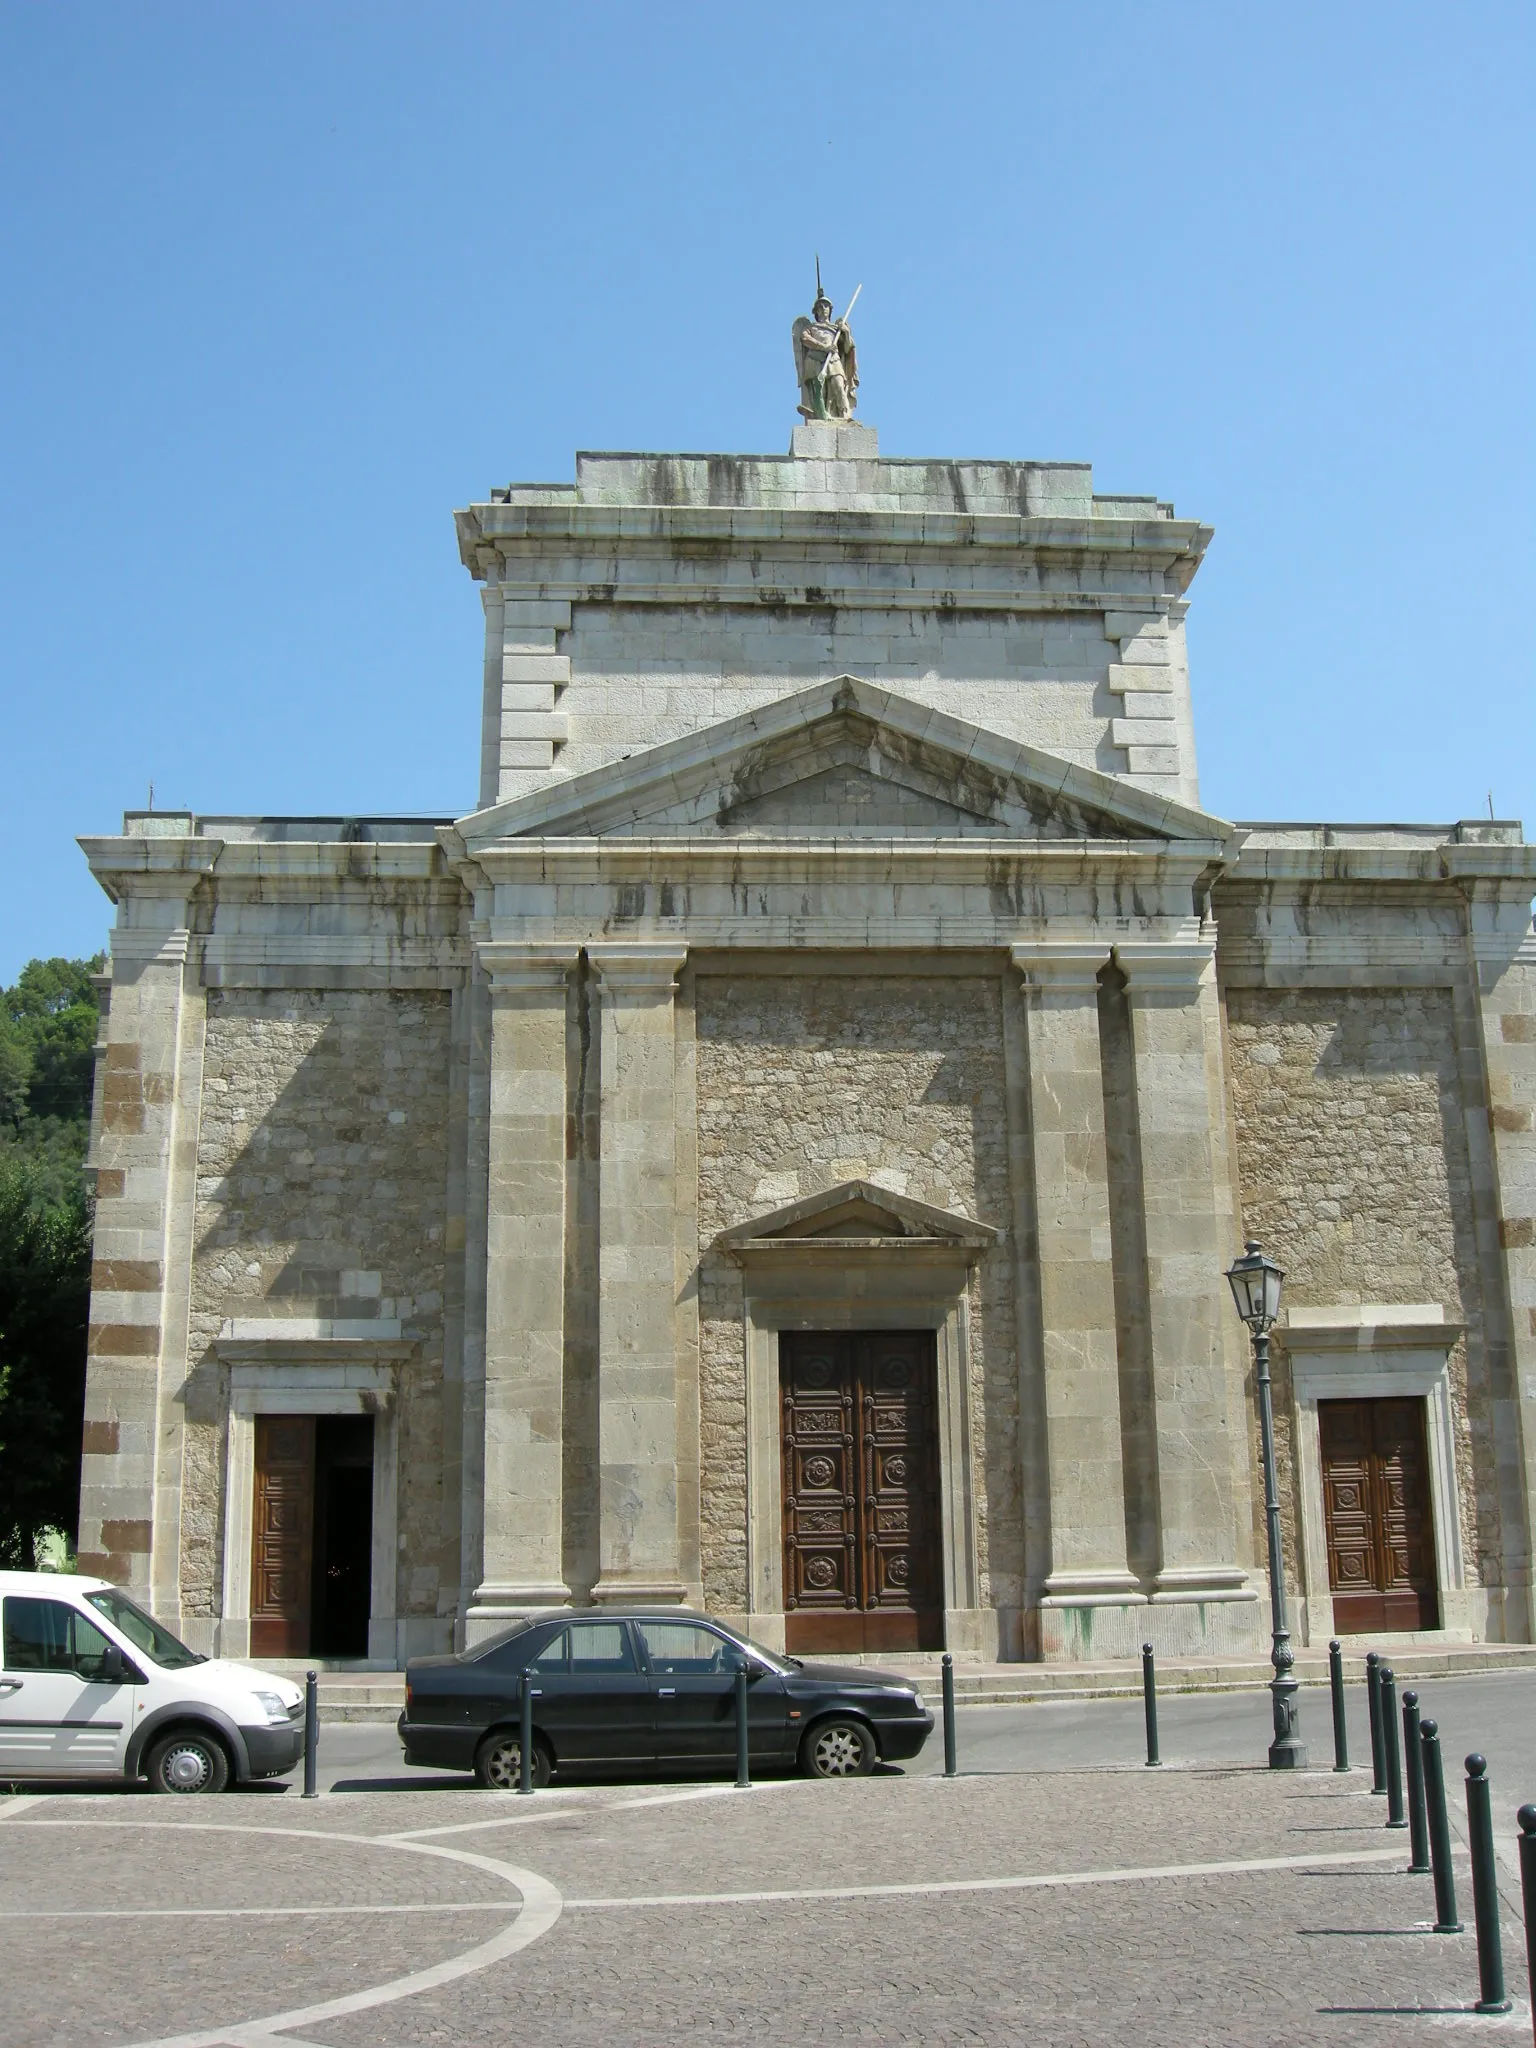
{"x": 1187, "y": 1906}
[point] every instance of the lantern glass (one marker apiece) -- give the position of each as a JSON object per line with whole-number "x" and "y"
{"x": 1255, "y": 1282}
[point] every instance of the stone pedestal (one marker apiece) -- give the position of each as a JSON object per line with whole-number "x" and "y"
{"x": 639, "y": 1546}
{"x": 1089, "y": 1566}
{"x": 1199, "y": 1423}
{"x": 525, "y": 1287}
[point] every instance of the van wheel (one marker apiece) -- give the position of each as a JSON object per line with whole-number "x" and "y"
{"x": 188, "y": 1761}
{"x": 843, "y": 1748}
{"x": 499, "y": 1760}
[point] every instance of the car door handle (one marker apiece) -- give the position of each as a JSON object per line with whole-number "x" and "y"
{"x": 666, "y": 1692}
{"x": 10, "y": 1685}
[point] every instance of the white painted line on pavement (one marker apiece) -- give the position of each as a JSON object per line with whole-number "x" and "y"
{"x": 990, "y": 1884}
{"x": 250, "y": 1912}
{"x": 9, "y": 1808}
{"x": 525, "y": 1819}
{"x": 541, "y": 1908}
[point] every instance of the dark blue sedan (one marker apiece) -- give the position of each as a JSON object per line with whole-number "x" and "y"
{"x": 629, "y": 1690}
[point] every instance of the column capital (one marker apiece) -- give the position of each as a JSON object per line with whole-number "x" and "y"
{"x": 637, "y": 966}
{"x": 1165, "y": 963}
{"x": 512, "y": 968}
{"x": 1061, "y": 964}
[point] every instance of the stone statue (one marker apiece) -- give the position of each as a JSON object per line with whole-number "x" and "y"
{"x": 826, "y": 362}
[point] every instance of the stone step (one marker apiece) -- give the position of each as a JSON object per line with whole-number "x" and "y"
{"x": 354, "y": 1694}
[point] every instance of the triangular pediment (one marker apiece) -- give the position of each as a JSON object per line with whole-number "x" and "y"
{"x": 842, "y": 760}
{"x": 858, "y": 1209}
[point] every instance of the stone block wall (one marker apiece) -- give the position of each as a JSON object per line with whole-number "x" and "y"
{"x": 1355, "y": 1175}
{"x": 1107, "y": 692}
{"x": 807, "y": 1081}
{"x": 322, "y": 1191}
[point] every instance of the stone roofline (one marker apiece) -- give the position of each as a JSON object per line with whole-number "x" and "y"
{"x": 1266, "y": 836}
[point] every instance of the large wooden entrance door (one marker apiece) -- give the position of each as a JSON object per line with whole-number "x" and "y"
{"x": 282, "y": 1535}
{"x": 1381, "y": 1551}
{"x": 863, "y": 1568}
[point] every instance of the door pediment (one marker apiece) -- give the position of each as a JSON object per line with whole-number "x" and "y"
{"x": 858, "y": 1215}
{"x": 836, "y": 762}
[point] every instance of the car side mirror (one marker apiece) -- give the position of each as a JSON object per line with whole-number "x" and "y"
{"x": 113, "y": 1668}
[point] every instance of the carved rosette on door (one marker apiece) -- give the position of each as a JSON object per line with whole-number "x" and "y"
{"x": 862, "y": 1565}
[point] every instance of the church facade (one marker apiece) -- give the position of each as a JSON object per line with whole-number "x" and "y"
{"x": 781, "y": 1149}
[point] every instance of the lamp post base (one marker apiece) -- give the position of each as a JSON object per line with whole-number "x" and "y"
{"x": 1287, "y": 1752}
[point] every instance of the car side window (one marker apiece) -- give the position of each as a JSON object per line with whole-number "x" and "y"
{"x": 555, "y": 1655}
{"x": 598, "y": 1647}
{"x": 679, "y": 1648}
{"x": 50, "y": 1635}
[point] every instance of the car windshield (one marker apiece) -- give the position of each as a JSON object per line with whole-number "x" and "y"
{"x": 156, "y": 1642}
{"x": 774, "y": 1659}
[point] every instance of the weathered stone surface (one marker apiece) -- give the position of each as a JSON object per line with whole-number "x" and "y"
{"x": 809, "y": 1081}
{"x": 322, "y": 1157}
{"x": 1354, "y": 1172}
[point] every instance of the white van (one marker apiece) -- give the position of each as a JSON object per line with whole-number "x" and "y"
{"x": 91, "y": 1687}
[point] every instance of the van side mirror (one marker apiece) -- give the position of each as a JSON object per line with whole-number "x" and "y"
{"x": 113, "y": 1668}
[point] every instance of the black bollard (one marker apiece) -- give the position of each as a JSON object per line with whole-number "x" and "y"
{"x": 1340, "y": 1727}
{"x": 1439, "y": 1831}
{"x": 948, "y": 1672}
{"x": 1396, "y": 1818}
{"x": 1413, "y": 1757}
{"x": 743, "y": 1729}
{"x": 1373, "y": 1698}
{"x": 1149, "y": 1701}
{"x": 1527, "y": 1819}
{"x": 1485, "y": 1889}
{"x": 311, "y": 1733}
{"x": 525, "y": 1734}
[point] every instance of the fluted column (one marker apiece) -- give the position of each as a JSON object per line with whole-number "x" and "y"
{"x": 638, "y": 1536}
{"x": 525, "y": 1286}
{"x": 1201, "y": 1439}
{"x": 1077, "y": 1293}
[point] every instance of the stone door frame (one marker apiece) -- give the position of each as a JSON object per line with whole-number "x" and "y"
{"x": 915, "y": 1278}
{"x": 1375, "y": 1353}
{"x": 294, "y": 1377}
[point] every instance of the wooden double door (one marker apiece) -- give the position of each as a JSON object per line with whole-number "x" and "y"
{"x": 1380, "y": 1522}
{"x": 863, "y": 1559}
{"x": 312, "y": 1536}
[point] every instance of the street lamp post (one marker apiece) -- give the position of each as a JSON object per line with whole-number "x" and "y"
{"x": 1255, "y": 1282}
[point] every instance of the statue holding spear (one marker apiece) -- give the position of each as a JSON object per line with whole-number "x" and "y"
{"x": 826, "y": 362}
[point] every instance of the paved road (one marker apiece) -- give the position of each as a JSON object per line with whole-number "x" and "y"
{"x": 1055, "y": 1894}
{"x": 1496, "y": 1714}
{"x": 1120, "y": 1908}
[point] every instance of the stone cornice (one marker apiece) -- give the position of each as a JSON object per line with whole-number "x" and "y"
{"x": 1086, "y": 550}
{"x": 903, "y": 860}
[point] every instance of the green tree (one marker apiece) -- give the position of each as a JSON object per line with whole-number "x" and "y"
{"x": 45, "y": 1291}
{"x": 47, "y": 1037}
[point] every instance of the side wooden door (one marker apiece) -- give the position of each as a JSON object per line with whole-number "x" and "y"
{"x": 863, "y": 1562}
{"x": 282, "y": 1536}
{"x": 1379, "y": 1518}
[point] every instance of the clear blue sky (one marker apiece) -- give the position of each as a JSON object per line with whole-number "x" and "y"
{"x": 286, "y": 284}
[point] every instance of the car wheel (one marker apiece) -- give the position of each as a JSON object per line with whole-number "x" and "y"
{"x": 188, "y": 1761}
{"x": 499, "y": 1760}
{"x": 843, "y": 1748}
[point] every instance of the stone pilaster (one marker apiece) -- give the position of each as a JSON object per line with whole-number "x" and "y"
{"x": 638, "y": 1449}
{"x": 1088, "y": 1564}
{"x": 1200, "y": 1435}
{"x": 521, "y": 1563}
{"x": 145, "y": 1155}
{"x": 1503, "y": 951}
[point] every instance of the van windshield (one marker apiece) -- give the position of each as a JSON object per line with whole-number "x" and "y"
{"x": 142, "y": 1632}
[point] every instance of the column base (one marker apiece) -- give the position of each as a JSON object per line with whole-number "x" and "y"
{"x": 1202, "y": 1583}
{"x": 493, "y": 1608}
{"x": 612, "y": 1591}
